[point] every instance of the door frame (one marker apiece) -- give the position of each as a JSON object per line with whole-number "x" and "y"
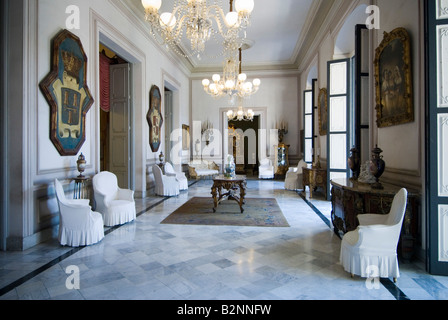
{"x": 104, "y": 32}
{"x": 435, "y": 201}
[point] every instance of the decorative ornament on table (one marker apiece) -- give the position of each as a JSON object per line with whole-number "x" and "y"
{"x": 365, "y": 175}
{"x": 377, "y": 167}
{"x": 229, "y": 170}
{"x": 161, "y": 157}
{"x": 81, "y": 164}
{"x": 354, "y": 163}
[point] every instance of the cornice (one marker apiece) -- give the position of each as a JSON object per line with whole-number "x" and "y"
{"x": 131, "y": 12}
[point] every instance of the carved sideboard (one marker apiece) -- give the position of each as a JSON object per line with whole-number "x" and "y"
{"x": 350, "y": 198}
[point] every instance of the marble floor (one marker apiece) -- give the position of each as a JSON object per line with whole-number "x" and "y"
{"x": 146, "y": 260}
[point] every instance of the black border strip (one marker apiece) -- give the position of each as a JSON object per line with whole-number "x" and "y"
{"x": 64, "y": 256}
{"x": 386, "y": 282}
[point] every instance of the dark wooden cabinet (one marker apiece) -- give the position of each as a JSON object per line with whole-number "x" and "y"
{"x": 314, "y": 178}
{"x": 350, "y": 199}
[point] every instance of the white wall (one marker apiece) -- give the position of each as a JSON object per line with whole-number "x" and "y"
{"x": 99, "y": 20}
{"x": 402, "y": 145}
{"x": 278, "y": 94}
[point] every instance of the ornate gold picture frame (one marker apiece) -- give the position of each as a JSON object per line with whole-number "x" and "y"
{"x": 323, "y": 112}
{"x": 393, "y": 79}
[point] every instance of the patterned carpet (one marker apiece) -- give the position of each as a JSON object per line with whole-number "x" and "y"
{"x": 258, "y": 212}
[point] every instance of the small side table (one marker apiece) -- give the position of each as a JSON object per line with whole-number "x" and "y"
{"x": 81, "y": 188}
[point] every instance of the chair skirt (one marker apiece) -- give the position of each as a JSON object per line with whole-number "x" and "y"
{"x": 266, "y": 175}
{"x": 183, "y": 183}
{"x": 119, "y": 212}
{"x": 367, "y": 265}
{"x": 167, "y": 190}
{"x": 292, "y": 183}
{"x": 84, "y": 237}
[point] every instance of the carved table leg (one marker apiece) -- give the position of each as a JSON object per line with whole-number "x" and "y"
{"x": 215, "y": 196}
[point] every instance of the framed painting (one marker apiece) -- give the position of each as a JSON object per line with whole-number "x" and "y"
{"x": 154, "y": 118}
{"x": 393, "y": 79}
{"x": 323, "y": 112}
{"x": 185, "y": 137}
{"x": 66, "y": 91}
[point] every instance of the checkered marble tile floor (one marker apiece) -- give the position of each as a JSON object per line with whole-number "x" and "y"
{"x": 147, "y": 260}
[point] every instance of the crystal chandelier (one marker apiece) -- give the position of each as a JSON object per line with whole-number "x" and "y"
{"x": 233, "y": 83}
{"x": 197, "y": 19}
{"x": 240, "y": 114}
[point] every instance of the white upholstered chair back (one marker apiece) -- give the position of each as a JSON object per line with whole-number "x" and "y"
{"x": 398, "y": 208}
{"x": 74, "y": 216}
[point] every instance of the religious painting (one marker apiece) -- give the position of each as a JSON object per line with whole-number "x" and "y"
{"x": 66, "y": 91}
{"x": 393, "y": 78}
{"x": 185, "y": 137}
{"x": 323, "y": 112}
{"x": 154, "y": 118}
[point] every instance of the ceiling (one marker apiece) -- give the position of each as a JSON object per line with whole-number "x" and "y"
{"x": 278, "y": 31}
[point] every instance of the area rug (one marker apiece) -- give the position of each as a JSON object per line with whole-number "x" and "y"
{"x": 258, "y": 212}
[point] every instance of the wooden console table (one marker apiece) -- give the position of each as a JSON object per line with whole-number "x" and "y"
{"x": 313, "y": 178}
{"x": 351, "y": 198}
{"x": 232, "y": 185}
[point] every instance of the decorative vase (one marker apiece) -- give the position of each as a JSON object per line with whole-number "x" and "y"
{"x": 81, "y": 164}
{"x": 161, "y": 157}
{"x": 377, "y": 167}
{"x": 354, "y": 163}
{"x": 229, "y": 170}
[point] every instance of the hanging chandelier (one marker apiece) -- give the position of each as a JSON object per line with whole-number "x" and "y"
{"x": 195, "y": 19}
{"x": 233, "y": 83}
{"x": 240, "y": 113}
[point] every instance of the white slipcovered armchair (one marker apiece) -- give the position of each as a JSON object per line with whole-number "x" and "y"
{"x": 166, "y": 186}
{"x": 180, "y": 176}
{"x": 266, "y": 169}
{"x": 117, "y": 205}
{"x": 372, "y": 247}
{"x": 294, "y": 177}
{"x": 78, "y": 224}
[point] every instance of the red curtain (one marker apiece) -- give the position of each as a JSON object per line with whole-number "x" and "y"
{"x": 105, "y": 62}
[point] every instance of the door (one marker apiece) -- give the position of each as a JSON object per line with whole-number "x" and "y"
{"x": 308, "y": 126}
{"x": 361, "y": 94}
{"x": 338, "y": 138}
{"x": 119, "y": 129}
{"x": 437, "y": 138}
{"x": 168, "y": 122}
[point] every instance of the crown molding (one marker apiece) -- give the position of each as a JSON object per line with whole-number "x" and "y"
{"x": 135, "y": 16}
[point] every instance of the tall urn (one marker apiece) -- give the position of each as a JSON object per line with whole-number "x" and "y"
{"x": 377, "y": 167}
{"x": 354, "y": 163}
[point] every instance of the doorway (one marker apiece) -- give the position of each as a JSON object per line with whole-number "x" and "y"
{"x": 243, "y": 145}
{"x": 115, "y": 115}
{"x": 168, "y": 122}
